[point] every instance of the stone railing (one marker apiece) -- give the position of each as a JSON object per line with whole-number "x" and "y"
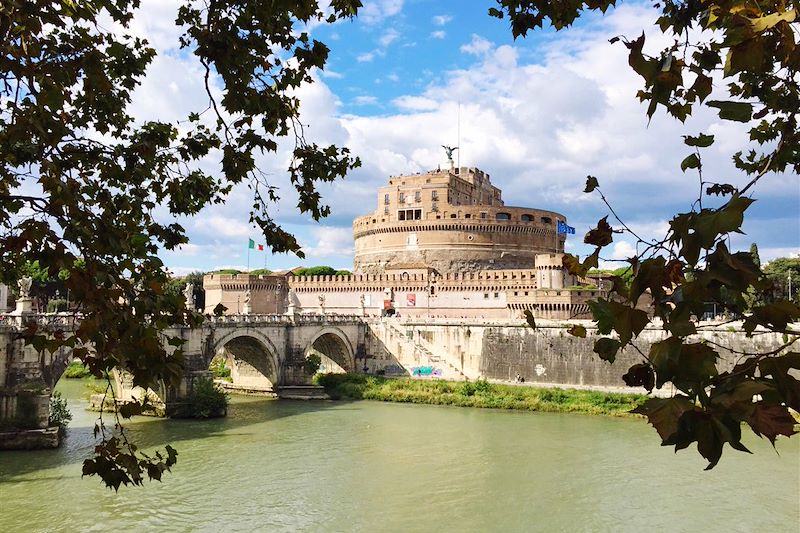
{"x": 65, "y": 320}
{"x": 300, "y": 319}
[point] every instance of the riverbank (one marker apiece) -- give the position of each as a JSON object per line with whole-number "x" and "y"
{"x": 480, "y": 394}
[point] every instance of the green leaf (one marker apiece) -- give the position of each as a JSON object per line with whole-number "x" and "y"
{"x": 691, "y": 161}
{"x": 776, "y": 316}
{"x": 573, "y": 265}
{"x": 576, "y": 330}
{"x": 778, "y": 367}
{"x": 591, "y": 184}
{"x": 771, "y": 421}
{"x": 626, "y": 321}
{"x": 664, "y": 413}
{"x": 701, "y": 141}
{"x": 761, "y": 24}
{"x": 601, "y": 235}
{"x": 529, "y": 318}
{"x": 736, "y": 111}
{"x": 607, "y": 348}
{"x": 129, "y": 409}
{"x": 640, "y": 375}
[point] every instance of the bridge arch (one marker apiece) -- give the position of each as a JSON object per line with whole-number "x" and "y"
{"x": 251, "y": 356}
{"x": 334, "y": 348}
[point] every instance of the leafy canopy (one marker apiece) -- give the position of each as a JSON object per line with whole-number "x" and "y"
{"x": 81, "y": 178}
{"x": 752, "y": 48}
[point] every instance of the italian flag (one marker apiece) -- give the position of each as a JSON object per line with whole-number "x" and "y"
{"x": 251, "y": 244}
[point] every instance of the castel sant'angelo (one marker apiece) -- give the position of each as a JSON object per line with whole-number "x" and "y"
{"x": 440, "y": 244}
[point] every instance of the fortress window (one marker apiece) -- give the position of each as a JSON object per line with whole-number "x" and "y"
{"x": 503, "y": 216}
{"x": 497, "y": 295}
{"x": 401, "y": 215}
{"x": 547, "y": 220}
{"x": 386, "y": 199}
{"x": 386, "y": 210}
{"x": 418, "y": 196}
{"x": 483, "y": 214}
{"x": 434, "y": 195}
{"x": 453, "y": 215}
{"x": 467, "y": 216}
{"x": 402, "y": 197}
{"x": 485, "y": 295}
{"x": 526, "y": 218}
{"x": 434, "y": 207}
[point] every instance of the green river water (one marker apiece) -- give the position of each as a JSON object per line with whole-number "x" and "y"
{"x": 367, "y": 466}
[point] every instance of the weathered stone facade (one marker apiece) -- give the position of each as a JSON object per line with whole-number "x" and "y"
{"x": 440, "y": 244}
{"x": 451, "y": 221}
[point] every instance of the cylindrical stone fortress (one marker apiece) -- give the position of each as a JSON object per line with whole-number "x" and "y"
{"x": 452, "y": 221}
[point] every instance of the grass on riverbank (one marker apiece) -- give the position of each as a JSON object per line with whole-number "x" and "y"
{"x": 76, "y": 370}
{"x": 477, "y": 394}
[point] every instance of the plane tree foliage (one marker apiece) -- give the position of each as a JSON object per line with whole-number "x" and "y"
{"x": 748, "y": 52}
{"x": 81, "y": 178}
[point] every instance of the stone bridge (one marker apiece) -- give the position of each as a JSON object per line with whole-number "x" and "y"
{"x": 267, "y": 352}
{"x": 264, "y": 352}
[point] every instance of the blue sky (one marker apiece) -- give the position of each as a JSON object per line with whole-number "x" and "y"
{"x": 538, "y": 114}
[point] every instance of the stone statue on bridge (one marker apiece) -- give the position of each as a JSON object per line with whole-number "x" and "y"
{"x": 188, "y": 293}
{"x": 24, "y": 286}
{"x": 247, "y": 308}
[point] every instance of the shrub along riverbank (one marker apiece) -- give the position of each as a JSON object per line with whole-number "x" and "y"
{"x": 477, "y": 394}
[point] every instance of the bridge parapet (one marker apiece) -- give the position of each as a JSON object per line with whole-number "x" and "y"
{"x": 68, "y": 320}
{"x": 296, "y": 320}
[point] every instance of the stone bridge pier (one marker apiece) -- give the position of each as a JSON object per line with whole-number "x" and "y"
{"x": 264, "y": 352}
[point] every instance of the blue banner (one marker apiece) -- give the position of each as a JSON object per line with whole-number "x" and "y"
{"x": 563, "y": 228}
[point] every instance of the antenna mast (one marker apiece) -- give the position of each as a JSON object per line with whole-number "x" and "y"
{"x": 458, "y": 144}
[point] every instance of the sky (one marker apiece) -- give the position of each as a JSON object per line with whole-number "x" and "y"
{"x": 538, "y": 114}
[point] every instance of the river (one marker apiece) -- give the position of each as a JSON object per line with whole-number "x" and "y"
{"x": 275, "y": 465}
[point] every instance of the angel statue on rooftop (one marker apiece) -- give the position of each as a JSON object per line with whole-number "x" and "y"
{"x": 449, "y": 151}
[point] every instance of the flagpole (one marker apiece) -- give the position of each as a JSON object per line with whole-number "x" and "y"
{"x": 248, "y": 259}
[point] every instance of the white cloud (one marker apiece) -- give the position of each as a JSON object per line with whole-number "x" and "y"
{"x": 415, "y": 103}
{"x": 538, "y": 128}
{"x": 768, "y": 254}
{"x": 389, "y": 36}
{"x": 330, "y": 241}
{"x": 438, "y": 34}
{"x": 441, "y": 20}
{"x": 328, "y": 73}
{"x": 477, "y": 46}
{"x": 623, "y": 250}
{"x": 221, "y": 226}
{"x": 376, "y": 11}
{"x": 365, "y": 100}
{"x": 366, "y": 57}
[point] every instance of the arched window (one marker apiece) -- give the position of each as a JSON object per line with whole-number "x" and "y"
{"x": 503, "y": 216}
{"x": 547, "y": 220}
{"x": 526, "y": 218}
